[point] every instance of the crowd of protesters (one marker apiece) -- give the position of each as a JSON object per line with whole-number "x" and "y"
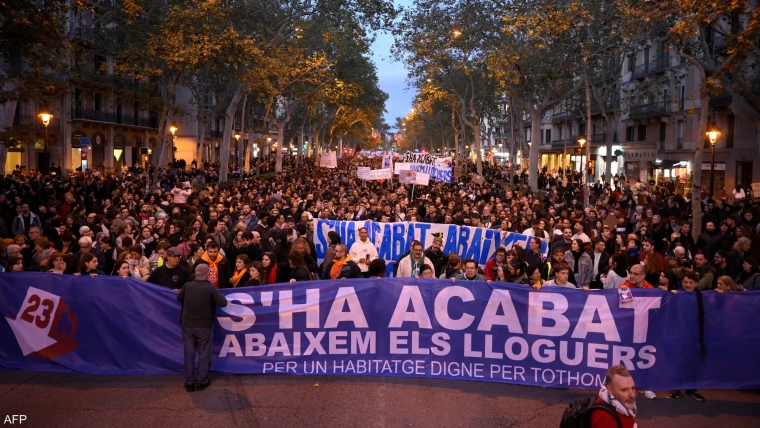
{"x": 257, "y": 229}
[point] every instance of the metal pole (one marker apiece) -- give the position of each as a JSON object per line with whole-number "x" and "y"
{"x": 174, "y": 141}
{"x": 712, "y": 173}
{"x": 562, "y": 164}
{"x": 46, "y": 165}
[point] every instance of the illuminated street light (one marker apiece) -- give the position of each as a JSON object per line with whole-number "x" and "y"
{"x": 713, "y": 132}
{"x": 45, "y": 116}
{"x": 173, "y": 129}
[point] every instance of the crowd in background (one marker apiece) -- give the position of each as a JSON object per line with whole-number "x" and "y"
{"x": 257, "y": 229}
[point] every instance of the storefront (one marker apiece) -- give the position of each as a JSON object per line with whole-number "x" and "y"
{"x": 639, "y": 163}
{"x": 98, "y": 151}
{"x": 79, "y": 153}
{"x": 118, "y": 151}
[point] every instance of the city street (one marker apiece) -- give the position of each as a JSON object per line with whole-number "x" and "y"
{"x": 65, "y": 400}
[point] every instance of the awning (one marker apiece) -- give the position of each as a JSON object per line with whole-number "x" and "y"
{"x": 85, "y": 142}
{"x": 667, "y": 164}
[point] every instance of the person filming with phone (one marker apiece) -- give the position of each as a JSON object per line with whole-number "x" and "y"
{"x": 363, "y": 251}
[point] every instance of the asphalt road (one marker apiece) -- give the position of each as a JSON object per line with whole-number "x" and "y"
{"x": 66, "y": 400}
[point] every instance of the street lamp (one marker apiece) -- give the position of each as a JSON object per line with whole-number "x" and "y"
{"x": 713, "y": 132}
{"x": 45, "y": 116}
{"x": 237, "y": 146}
{"x": 582, "y": 141}
{"x": 173, "y": 130}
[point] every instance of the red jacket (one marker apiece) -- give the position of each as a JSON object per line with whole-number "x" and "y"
{"x": 489, "y": 272}
{"x": 602, "y": 419}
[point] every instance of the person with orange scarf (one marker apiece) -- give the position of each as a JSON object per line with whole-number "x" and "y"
{"x": 342, "y": 266}
{"x": 220, "y": 271}
{"x": 241, "y": 274}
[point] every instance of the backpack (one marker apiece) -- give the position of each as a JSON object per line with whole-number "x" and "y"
{"x": 578, "y": 413}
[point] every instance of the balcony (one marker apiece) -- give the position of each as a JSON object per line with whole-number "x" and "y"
{"x": 649, "y": 110}
{"x": 721, "y": 100}
{"x": 599, "y": 138}
{"x": 111, "y": 117}
{"x": 718, "y": 45}
{"x": 33, "y": 123}
{"x": 658, "y": 65}
{"x": 561, "y": 117}
{"x": 213, "y": 133}
{"x": 83, "y": 33}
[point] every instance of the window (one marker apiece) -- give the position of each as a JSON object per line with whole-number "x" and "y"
{"x": 527, "y": 135}
{"x": 581, "y": 129}
{"x": 682, "y": 97}
{"x": 98, "y": 102}
{"x": 631, "y": 62}
{"x": 549, "y": 136}
{"x": 629, "y": 133}
{"x": 642, "y": 131}
{"x": 646, "y": 55}
{"x": 730, "y": 131}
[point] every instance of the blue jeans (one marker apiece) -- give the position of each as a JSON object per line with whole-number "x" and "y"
{"x": 197, "y": 339}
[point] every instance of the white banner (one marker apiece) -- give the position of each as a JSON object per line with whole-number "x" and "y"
{"x": 329, "y": 160}
{"x": 380, "y": 174}
{"x": 362, "y": 172}
{"x": 407, "y": 177}
{"x": 422, "y": 179}
{"x": 437, "y": 168}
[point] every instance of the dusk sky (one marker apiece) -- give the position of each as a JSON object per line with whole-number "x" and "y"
{"x": 392, "y": 76}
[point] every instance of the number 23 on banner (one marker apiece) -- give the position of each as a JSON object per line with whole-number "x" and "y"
{"x": 40, "y": 314}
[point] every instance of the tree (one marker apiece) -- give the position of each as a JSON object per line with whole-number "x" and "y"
{"x": 536, "y": 63}
{"x": 444, "y": 43}
{"x": 34, "y": 44}
{"x": 690, "y": 26}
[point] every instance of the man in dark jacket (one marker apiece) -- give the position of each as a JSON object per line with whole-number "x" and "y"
{"x": 601, "y": 261}
{"x": 199, "y": 300}
{"x": 342, "y": 266}
{"x": 436, "y": 256}
{"x": 221, "y": 270}
{"x": 710, "y": 240}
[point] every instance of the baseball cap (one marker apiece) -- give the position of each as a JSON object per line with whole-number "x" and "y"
{"x": 174, "y": 251}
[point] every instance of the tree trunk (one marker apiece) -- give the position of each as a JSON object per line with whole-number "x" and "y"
{"x": 164, "y": 145}
{"x": 476, "y": 143}
{"x": 280, "y": 145}
{"x": 456, "y": 135}
{"x": 224, "y": 156}
{"x": 241, "y": 143}
{"x": 589, "y": 136}
{"x": 535, "y": 128}
{"x": 696, "y": 191}
{"x": 610, "y": 127}
{"x": 199, "y": 152}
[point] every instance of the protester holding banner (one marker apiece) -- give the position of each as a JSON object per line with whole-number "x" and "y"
{"x": 199, "y": 300}
{"x": 409, "y": 266}
{"x": 333, "y": 206}
{"x": 363, "y": 251}
{"x": 342, "y": 266}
